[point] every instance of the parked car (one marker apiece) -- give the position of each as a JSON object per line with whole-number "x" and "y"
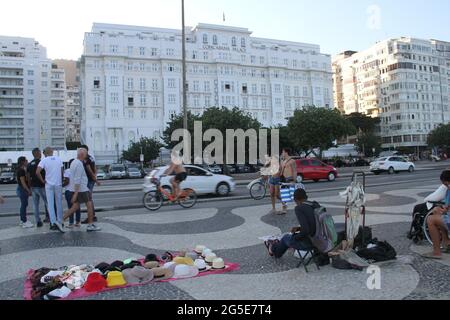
{"x": 200, "y": 180}
{"x": 435, "y": 158}
{"x": 7, "y": 177}
{"x": 147, "y": 171}
{"x": 391, "y": 165}
{"x": 134, "y": 173}
{"x": 214, "y": 169}
{"x": 242, "y": 169}
{"x": 316, "y": 170}
{"x": 361, "y": 163}
{"x": 102, "y": 175}
{"x": 118, "y": 171}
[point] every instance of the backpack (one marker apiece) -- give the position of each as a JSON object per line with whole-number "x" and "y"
{"x": 382, "y": 251}
{"x": 326, "y": 236}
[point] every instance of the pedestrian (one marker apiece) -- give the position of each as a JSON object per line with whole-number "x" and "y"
{"x": 288, "y": 172}
{"x": 274, "y": 182}
{"x": 54, "y": 170}
{"x": 81, "y": 194}
{"x": 91, "y": 172}
{"x": 23, "y": 191}
{"x": 37, "y": 187}
{"x": 69, "y": 194}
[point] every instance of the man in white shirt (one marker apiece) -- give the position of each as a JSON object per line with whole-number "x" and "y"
{"x": 79, "y": 186}
{"x": 54, "y": 169}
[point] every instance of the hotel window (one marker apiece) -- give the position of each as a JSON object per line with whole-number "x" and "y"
{"x": 243, "y": 58}
{"x": 171, "y": 83}
{"x": 155, "y": 114}
{"x": 215, "y": 42}
{"x": 30, "y": 101}
{"x": 254, "y": 89}
{"x": 233, "y": 42}
{"x": 171, "y": 68}
{"x": 264, "y": 116}
{"x": 288, "y": 103}
{"x": 142, "y": 51}
{"x": 255, "y": 102}
{"x": 245, "y": 102}
{"x": 155, "y": 101}
{"x": 205, "y": 55}
{"x": 262, "y": 60}
{"x": 142, "y": 84}
{"x": 141, "y": 66}
{"x": 114, "y": 64}
{"x": 196, "y": 86}
{"x": 130, "y": 50}
{"x": 154, "y": 67}
{"x": 207, "y": 86}
{"x": 294, "y": 63}
{"x": 130, "y": 66}
{"x": 263, "y": 89}
{"x": 287, "y": 90}
{"x": 286, "y": 62}
{"x": 96, "y": 48}
{"x": 154, "y": 84}
{"x": 44, "y": 74}
{"x": 154, "y": 52}
{"x": 277, "y": 88}
{"x": 96, "y": 64}
{"x": 305, "y": 91}
{"x": 31, "y": 82}
{"x": 130, "y": 83}
{"x": 113, "y": 48}
{"x": 143, "y": 100}
{"x": 143, "y": 114}
{"x": 96, "y": 99}
{"x": 205, "y": 39}
{"x": 172, "y": 99}
{"x": 114, "y": 97}
{"x": 170, "y": 52}
{"x": 243, "y": 42}
{"x": 279, "y": 115}
{"x": 131, "y": 114}
{"x": 130, "y": 101}
{"x": 196, "y": 101}
{"x": 264, "y": 103}
{"x": 278, "y": 102}
{"x": 207, "y": 102}
{"x": 252, "y": 59}
{"x": 114, "y": 81}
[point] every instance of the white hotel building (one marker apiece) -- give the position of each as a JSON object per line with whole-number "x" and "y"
{"x": 32, "y": 114}
{"x": 131, "y": 79}
{"x": 404, "y": 81}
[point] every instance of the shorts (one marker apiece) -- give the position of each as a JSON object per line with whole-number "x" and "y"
{"x": 446, "y": 221}
{"x": 84, "y": 197}
{"x": 274, "y": 181}
{"x": 288, "y": 180}
{"x": 180, "y": 177}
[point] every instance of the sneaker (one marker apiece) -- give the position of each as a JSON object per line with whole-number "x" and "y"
{"x": 93, "y": 228}
{"x": 39, "y": 224}
{"x": 27, "y": 225}
{"x": 78, "y": 225}
{"x": 60, "y": 227}
{"x": 86, "y": 221}
{"x": 20, "y": 224}
{"x": 70, "y": 226}
{"x": 53, "y": 227}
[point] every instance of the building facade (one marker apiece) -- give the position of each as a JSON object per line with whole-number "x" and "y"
{"x": 405, "y": 82}
{"x": 131, "y": 79}
{"x": 27, "y": 96}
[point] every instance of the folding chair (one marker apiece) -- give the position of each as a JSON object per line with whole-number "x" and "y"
{"x": 306, "y": 262}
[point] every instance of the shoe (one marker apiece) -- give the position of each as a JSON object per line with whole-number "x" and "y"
{"x": 447, "y": 250}
{"x": 39, "y": 224}
{"x": 20, "y": 223}
{"x": 53, "y": 227}
{"x": 60, "y": 227}
{"x": 27, "y": 225}
{"x": 78, "y": 225}
{"x": 86, "y": 221}
{"x": 70, "y": 226}
{"x": 93, "y": 228}
{"x": 431, "y": 256}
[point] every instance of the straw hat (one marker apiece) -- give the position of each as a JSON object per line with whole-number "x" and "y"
{"x": 115, "y": 279}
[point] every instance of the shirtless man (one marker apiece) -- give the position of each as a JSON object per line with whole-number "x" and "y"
{"x": 288, "y": 171}
{"x": 176, "y": 166}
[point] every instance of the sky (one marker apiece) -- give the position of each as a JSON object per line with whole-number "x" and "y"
{"x": 335, "y": 25}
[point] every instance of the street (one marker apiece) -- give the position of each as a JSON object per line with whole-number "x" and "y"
{"x": 232, "y": 229}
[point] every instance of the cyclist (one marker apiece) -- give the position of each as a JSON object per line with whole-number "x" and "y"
{"x": 176, "y": 166}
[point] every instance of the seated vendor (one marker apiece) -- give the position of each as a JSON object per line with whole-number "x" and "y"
{"x": 299, "y": 238}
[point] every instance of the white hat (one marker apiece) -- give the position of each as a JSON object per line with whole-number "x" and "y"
{"x": 170, "y": 265}
{"x": 201, "y": 265}
{"x": 199, "y": 249}
{"x": 210, "y": 257}
{"x": 205, "y": 252}
{"x": 218, "y": 264}
{"x": 183, "y": 271}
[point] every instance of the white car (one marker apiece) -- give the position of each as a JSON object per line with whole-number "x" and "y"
{"x": 391, "y": 165}
{"x": 198, "y": 179}
{"x": 102, "y": 175}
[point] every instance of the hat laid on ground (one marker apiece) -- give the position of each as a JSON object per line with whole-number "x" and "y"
{"x": 201, "y": 265}
{"x": 205, "y": 252}
{"x": 170, "y": 265}
{"x": 193, "y": 255}
{"x": 160, "y": 274}
{"x": 128, "y": 261}
{"x": 102, "y": 267}
{"x": 167, "y": 257}
{"x": 199, "y": 249}
{"x": 151, "y": 265}
{"x": 218, "y": 264}
{"x": 184, "y": 260}
{"x": 151, "y": 257}
{"x": 115, "y": 279}
{"x": 137, "y": 275}
{"x": 183, "y": 271}
{"x": 210, "y": 257}
{"x": 95, "y": 282}
{"x": 117, "y": 264}
{"x": 131, "y": 265}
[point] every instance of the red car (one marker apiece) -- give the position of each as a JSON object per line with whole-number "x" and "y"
{"x": 313, "y": 169}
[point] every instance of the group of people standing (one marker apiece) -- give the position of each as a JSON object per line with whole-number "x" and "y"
{"x": 280, "y": 171}
{"x": 44, "y": 179}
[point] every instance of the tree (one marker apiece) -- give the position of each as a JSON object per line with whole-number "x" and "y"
{"x": 362, "y": 122}
{"x": 314, "y": 127}
{"x": 440, "y": 137}
{"x": 368, "y": 141}
{"x": 177, "y": 123}
{"x": 150, "y": 149}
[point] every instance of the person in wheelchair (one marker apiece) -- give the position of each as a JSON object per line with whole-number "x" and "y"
{"x": 421, "y": 211}
{"x": 439, "y": 223}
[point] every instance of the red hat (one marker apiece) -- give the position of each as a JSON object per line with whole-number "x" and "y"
{"x": 95, "y": 282}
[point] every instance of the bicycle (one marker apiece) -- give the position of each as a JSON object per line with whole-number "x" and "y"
{"x": 258, "y": 188}
{"x": 155, "y": 199}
